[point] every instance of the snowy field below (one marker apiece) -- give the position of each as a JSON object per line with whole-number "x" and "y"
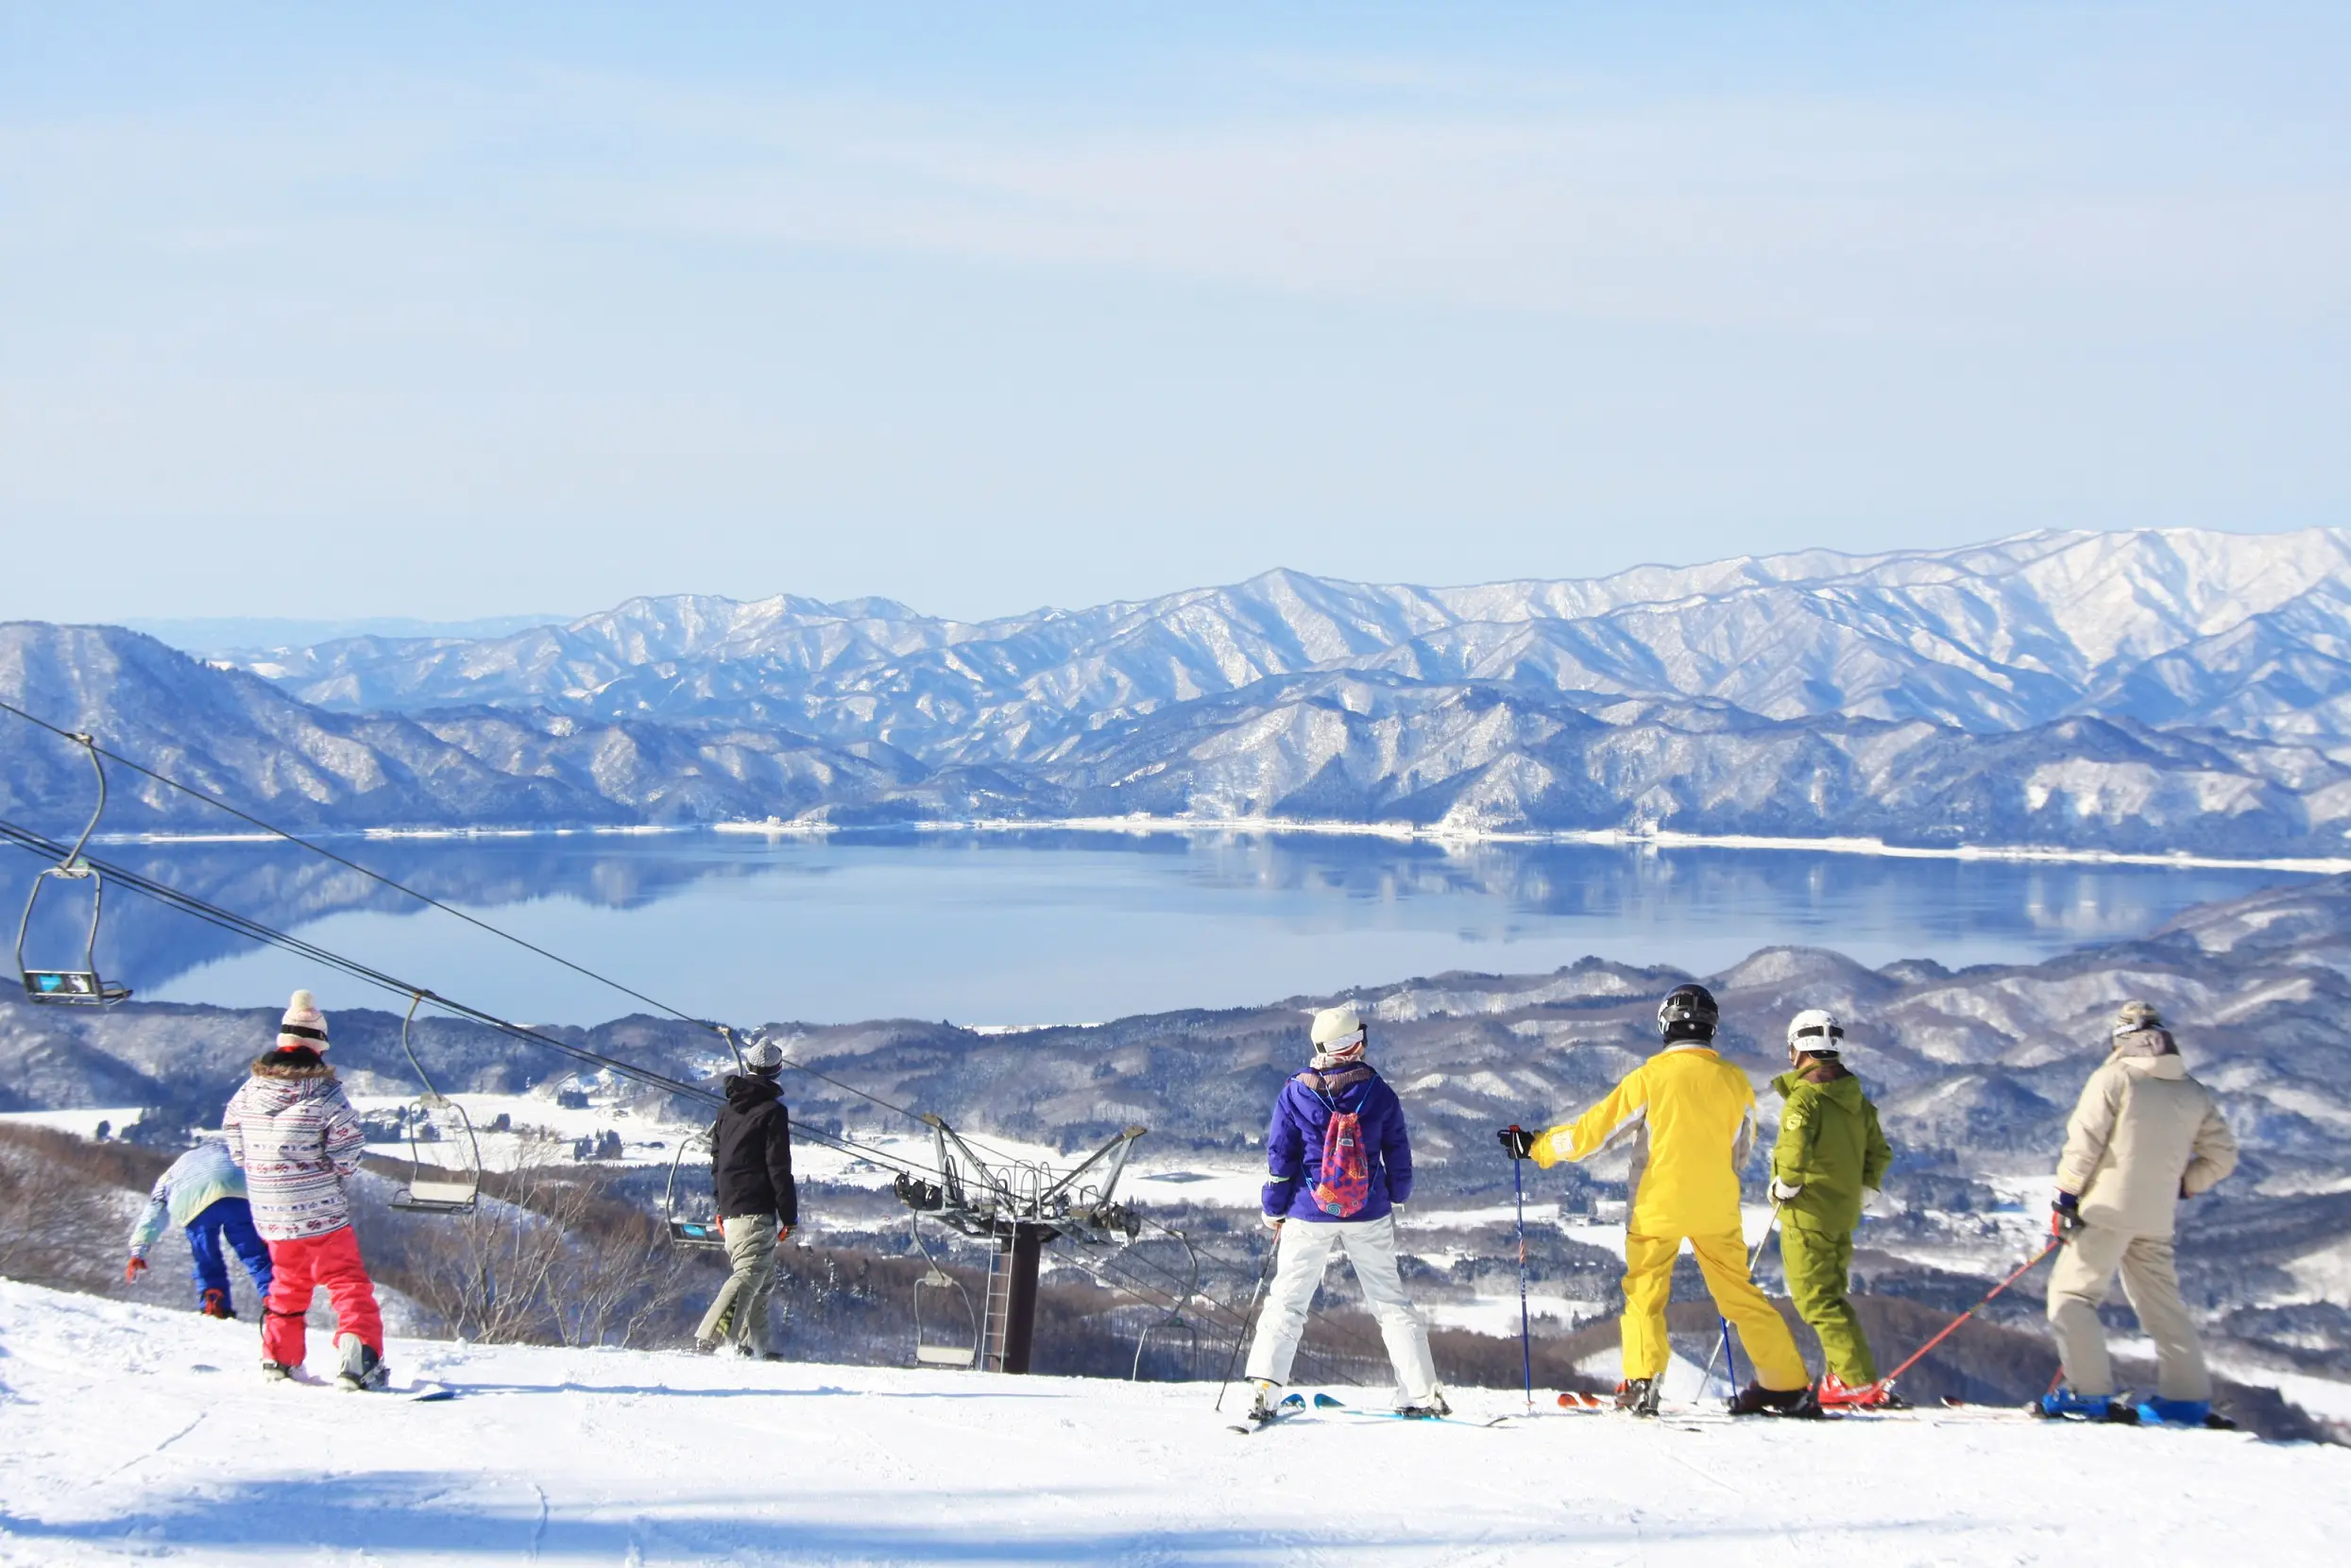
{"x": 126, "y": 1432}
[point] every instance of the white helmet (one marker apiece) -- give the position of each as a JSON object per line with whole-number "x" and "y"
{"x": 1338, "y": 1029}
{"x": 1816, "y": 1031}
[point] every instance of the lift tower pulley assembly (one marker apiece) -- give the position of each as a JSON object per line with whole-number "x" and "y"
{"x": 1020, "y": 1207}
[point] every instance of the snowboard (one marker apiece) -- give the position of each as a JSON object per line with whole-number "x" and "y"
{"x": 415, "y": 1394}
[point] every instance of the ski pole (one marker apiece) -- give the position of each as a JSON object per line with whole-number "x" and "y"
{"x": 1723, "y": 1348}
{"x": 1526, "y": 1335}
{"x": 1247, "y": 1315}
{"x": 2037, "y": 1259}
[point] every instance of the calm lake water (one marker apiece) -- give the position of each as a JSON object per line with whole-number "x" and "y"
{"x": 1036, "y": 928}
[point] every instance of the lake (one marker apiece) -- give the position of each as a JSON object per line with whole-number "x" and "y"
{"x": 999, "y": 928}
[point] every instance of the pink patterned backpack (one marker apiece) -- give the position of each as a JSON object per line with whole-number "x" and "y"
{"x": 1345, "y": 1185}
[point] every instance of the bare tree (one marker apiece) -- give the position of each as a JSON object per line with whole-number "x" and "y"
{"x": 546, "y": 1258}
{"x": 622, "y": 1279}
{"x": 65, "y": 1204}
{"x": 486, "y": 1273}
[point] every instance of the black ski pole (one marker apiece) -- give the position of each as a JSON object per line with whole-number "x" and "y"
{"x": 1526, "y": 1335}
{"x": 1248, "y": 1316}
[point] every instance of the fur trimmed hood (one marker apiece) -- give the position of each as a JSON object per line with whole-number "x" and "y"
{"x": 274, "y": 1065}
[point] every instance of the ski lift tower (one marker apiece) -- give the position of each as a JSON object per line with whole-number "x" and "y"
{"x": 1020, "y": 1206}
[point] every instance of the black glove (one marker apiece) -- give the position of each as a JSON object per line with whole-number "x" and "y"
{"x": 2065, "y": 1216}
{"x": 1517, "y": 1142}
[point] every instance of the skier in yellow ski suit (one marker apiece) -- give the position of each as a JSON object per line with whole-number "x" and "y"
{"x": 1692, "y": 1114}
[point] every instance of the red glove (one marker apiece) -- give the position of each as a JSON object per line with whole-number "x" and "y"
{"x": 132, "y": 1269}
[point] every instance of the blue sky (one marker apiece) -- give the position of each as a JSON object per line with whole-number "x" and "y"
{"x": 452, "y": 313}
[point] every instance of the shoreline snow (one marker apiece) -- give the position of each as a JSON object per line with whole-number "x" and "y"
{"x": 1441, "y": 834}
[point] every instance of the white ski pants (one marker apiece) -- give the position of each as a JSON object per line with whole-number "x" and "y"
{"x": 1305, "y": 1252}
{"x": 2085, "y": 1267}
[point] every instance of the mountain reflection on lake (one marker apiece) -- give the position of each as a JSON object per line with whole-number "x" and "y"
{"x": 1055, "y": 926}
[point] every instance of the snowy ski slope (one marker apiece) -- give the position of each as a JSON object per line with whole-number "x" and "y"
{"x": 128, "y": 1433}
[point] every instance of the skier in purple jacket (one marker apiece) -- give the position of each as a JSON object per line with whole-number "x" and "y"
{"x": 1341, "y": 1160}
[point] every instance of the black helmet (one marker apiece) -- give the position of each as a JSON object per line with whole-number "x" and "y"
{"x": 1688, "y": 1013}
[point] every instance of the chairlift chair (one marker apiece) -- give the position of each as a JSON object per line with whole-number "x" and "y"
{"x": 930, "y": 1348}
{"x": 85, "y": 986}
{"x": 684, "y": 1230}
{"x": 438, "y": 1187}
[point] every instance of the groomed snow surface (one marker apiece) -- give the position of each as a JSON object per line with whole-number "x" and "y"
{"x": 128, "y": 1432}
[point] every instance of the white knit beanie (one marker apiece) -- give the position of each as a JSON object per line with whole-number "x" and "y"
{"x": 303, "y": 1024}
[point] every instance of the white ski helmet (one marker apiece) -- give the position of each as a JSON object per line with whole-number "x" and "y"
{"x": 1337, "y": 1030}
{"x": 1815, "y": 1031}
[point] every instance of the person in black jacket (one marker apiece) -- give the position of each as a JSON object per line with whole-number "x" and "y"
{"x": 757, "y": 1204}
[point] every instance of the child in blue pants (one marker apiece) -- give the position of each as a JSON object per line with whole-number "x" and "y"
{"x": 203, "y": 1193}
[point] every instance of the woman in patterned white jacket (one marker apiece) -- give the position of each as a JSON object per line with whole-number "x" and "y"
{"x": 297, "y": 1139}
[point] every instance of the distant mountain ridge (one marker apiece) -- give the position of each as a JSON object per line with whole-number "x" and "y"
{"x": 1999, "y": 636}
{"x": 2151, "y": 690}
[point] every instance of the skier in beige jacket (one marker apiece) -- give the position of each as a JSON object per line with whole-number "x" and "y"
{"x": 2143, "y": 1136}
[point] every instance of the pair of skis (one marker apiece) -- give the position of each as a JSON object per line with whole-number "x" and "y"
{"x": 1295, "y": 1404}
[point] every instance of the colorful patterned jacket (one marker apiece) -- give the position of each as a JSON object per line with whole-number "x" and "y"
{"x": 297, "y": 1139}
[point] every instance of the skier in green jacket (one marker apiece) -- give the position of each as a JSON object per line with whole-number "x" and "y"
{"x": 1830, "y": 1151}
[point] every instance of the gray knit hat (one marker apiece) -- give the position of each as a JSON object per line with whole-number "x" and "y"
{"x": 2132, "y": 1016}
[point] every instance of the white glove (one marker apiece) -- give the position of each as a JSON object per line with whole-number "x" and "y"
{"x": 1783, "y": 1192}
{"x": 1273, "y": 1221}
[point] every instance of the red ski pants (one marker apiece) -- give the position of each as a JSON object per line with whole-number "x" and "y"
{"x": 300, "y": 1267}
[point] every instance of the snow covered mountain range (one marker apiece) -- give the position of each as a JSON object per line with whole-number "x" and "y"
{"x": 2149, "y": 691}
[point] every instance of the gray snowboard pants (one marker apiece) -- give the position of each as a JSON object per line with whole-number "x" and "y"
{"x": 739, "y": 1311}
{"x": 2085, "y": 1267}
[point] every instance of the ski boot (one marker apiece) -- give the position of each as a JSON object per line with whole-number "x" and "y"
{"x": 363, "y": 1367}
{"x": 216, "y": 1306}
{"x": 1432, "y": 1408}
{"x": 2183, "y": 1412}
{"x": 277, "y": 1371}
{"x": 2065, "y": 1405}
{"x": 1262, "y": 1403}
{"x": 1797, "y": 1404}
{"x": 1639, "y": 1396}
{"x": 1834, "y": 1393}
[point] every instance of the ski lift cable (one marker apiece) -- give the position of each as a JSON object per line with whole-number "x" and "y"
{"x": 316, "y": 848}
{"x": 80, "y": 739}
{"x": 1115, "y": 1273}
{"x": 253, "y": 930}
{"x": 244, "y": 926}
